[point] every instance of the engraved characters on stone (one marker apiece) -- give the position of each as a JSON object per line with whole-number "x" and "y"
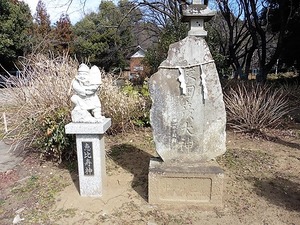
{"x": 182, "y": 131}
{"x": 88, "y": 163}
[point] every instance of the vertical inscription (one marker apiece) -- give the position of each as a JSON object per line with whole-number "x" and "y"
{"x": 174, "y": 136}
{"x": 87, "y": 154}
{"x": 185, "y": 134}
{"x": 188, "y": 107}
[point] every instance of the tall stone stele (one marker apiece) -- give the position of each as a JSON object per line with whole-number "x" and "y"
{"x": 188, "y": 120}
{"x": 89, "y": 127}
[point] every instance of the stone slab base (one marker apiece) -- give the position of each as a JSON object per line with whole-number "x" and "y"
{"x": 88, "y": 128}
{"x": 198, "y": 184}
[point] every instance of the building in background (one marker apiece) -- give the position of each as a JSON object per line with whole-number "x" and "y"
{"x": 138, "y": 71}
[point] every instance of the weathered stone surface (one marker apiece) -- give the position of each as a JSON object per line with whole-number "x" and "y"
{"x": 92, "y": 185}
{"x": 188, "y": 113}
{"x": 186, "y": 184}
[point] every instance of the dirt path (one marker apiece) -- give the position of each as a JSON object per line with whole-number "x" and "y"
{"x": 8, "y": 158}
{"x": 262, "y": 187}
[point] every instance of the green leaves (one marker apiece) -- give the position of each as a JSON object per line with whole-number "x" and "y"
{"x": 15, "y": 21}
{"x": 105, "y": 38}
{"x": 53, "y": 142}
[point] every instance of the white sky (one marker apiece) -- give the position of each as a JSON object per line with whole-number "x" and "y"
{"x": 75, "y": 10}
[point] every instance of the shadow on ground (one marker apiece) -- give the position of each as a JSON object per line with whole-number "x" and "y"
{"x": 72, "y": 167}
{"x": 282, "y": 142}
{"x": 135, "y": 161}
{"x": 278, "y": 191}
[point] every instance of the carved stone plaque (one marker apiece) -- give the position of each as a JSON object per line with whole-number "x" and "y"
{"x": 186, "y": 189}
{"x": 87, "y": 154}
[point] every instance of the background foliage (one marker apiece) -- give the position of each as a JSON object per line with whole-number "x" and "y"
{"x": 15, "y": 23}
{"x": 106, "y": 38}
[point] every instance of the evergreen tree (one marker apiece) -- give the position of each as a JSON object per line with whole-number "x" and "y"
{"x": 63, "y": 35}
{"x": 105, "y": 38}
{"x": 41, "y": 33}
{"x": 15, "y": 23}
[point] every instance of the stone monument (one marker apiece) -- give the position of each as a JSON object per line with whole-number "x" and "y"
{"x": 89, "y": 126}
{"x": 188, "y": 120}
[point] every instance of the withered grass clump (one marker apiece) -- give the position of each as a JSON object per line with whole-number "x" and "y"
{"x": 292, "y": 90}
{"x": 254, "y": 107}
{"x": 38, "y": 106}
{"x": 123, "y": 108}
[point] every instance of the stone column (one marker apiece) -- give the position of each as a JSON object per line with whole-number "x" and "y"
{"x": 90, "y": 155}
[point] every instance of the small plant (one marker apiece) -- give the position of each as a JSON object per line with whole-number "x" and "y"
{"x": 143, "y": 120}
{"x": 252, "y": 108}
{"x": 2, "y": 202}
{"x": 130, "y": 90}
{"x": 53, "y": 141}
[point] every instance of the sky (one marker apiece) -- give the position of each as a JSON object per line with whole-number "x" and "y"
{"x": 76, "y": 9}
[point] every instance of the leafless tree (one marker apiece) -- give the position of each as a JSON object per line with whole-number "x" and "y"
{"x": 251, "y": 41}
{"x": 161, "y": 14}
{"x": 240, "y": 45}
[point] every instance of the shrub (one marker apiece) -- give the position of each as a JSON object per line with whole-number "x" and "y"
{"x": 40, "y": 106}
{"x": 125, "y": 106}
{"x": 252, "y": 108}
{"x": 143, "y": 118}
{"x": 292, "y": 90}
{"x": 52, "y": 141}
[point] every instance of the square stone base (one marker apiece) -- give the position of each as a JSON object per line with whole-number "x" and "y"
{"x": 92, "y": 175}
{"x": 198, "y": 184}
{"x": 90, "y": 156}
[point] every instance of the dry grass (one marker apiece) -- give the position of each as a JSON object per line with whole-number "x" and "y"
{"x": 39, "y": 103}
{"x": 42, "y": 89}
{"x": 292, "y": 90}
{"x": 252, "y": 108}
{"x": 123, "y": 108}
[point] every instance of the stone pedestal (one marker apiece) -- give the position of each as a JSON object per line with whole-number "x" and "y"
{"x": 182, "y": 183}
{"x": 90, "y": 155}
